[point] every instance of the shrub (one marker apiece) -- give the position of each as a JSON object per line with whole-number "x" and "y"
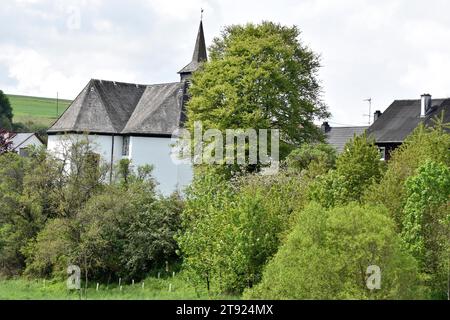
{"x": 357, "y": 168}
{"x": 231, "y": 229}
{"x": 423, "y": 144}
{"x": 425, "y": 227}
{"x": 328, "y": 251}
{"x": 317, "y": 158}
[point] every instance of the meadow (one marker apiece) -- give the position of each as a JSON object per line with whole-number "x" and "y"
{"x": 153, "y": 289}
{"x": 40, "y": 111}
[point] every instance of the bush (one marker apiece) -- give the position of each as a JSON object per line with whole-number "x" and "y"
{"x": 422, "y": 145}
{"x": 327, "y": 253}
{"x": 357, "y": 168}
{"x": 124, "y": 230}
{"x": 425, "y": 227}
{"x": 231, "y": 229}
{"x": 317, "y": 158}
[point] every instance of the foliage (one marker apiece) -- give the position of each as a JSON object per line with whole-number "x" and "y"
{"x": 5, "y": 143}
{"x": 425, "y": 228}
{"x": 123, "y": 230}
{"x": 6, "y": 114}
{"x": 328, "y": 251}
{"x": 316, "y": 158}
{"x": 358, "y": 167}
{"x": 260, "y": 77}
{"x": 423, "y": 144}
{"x": 231, "y": 229}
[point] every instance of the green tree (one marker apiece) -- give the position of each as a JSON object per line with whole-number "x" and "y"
{"x": 357, "y": 168}
{"x": 232, "y": 228}
{"x": 6, "y": 114}
{"x": 425, "y": 143}
{"x": 425, "y": 227}
{"x": 260, "y": 77}
{"x": 37, "y": 190}
{"x": 327, "y": 254}
{"x": 317, "y": 158}
{"x": 206, "y": 199}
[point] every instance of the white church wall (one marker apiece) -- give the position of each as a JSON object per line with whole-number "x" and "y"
{"x": 100, "y": 144}
{"x": 142, "y": 150}
{"x": 157, "y": 151}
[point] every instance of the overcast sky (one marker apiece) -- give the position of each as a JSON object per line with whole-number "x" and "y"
{"x": 384, "y": 49}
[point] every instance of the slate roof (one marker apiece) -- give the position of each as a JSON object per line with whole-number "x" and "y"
{"x": 339, "y": 136}
{"x": 19, "y": 139}
{"x": 107, "y": 107}
{"x": 403, "y": 116}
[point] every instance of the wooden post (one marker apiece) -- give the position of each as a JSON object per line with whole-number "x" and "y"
{"x": 97, "y": 287}
{"x": 143, "y": 285}
{"x": 120, "y": 281}
{"x": 170, "y": 287}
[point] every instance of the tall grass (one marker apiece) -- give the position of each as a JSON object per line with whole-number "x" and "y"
{"x": 154, "y": 289}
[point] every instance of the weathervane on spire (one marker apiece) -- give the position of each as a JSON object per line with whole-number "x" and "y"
{"x": 201, "y": 14}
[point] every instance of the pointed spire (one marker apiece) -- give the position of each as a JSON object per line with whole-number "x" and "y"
{"x": 199, "y": 55}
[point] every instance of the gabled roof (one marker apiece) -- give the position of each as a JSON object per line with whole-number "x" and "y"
{"x": 339, "y": 136}
{"x": 403, "y": 116}
{"x": 158, "y": 111}
{"x": 199, "y": 55}
{"x": 107, "y": 107}
{"x": 19, "y": 139}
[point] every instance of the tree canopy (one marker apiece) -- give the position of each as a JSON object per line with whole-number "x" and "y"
{"x": 6, "y": 114}
{"x": 260, "y": 77}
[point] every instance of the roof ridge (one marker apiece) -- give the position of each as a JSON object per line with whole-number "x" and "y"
{"x": 134, "y": 84}
{"x": 350, "y": 127}
{"x": 88, "y": 88}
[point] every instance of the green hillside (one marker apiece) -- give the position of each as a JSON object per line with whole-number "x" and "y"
{"x": 40, "y": 111}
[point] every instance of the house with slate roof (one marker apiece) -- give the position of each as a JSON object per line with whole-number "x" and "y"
{"x": 132, "y": 121}
{"x": 401, "y": 118}
{"x": 338, "y": 137}
{"x": 21, "y": 143}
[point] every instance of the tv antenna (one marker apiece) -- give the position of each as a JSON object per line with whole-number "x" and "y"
{"x": 370, "y": 110}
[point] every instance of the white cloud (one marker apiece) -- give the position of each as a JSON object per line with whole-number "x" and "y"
{"x": 386, "y": 50}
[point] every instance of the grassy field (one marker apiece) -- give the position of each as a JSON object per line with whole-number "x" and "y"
{"x": 154, "y": 289}
{"x": 41, "y": 111}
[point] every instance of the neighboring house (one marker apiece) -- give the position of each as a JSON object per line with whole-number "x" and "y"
{"x": 22, "y": 142}
{"x": 133, "y": 121}
{"x": 401, "y": 118}
{"x": 339, "y": 136}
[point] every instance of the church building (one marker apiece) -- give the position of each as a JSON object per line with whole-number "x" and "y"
{"x": 132, "y": 121}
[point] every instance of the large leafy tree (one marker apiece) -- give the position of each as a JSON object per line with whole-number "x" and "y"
{"x": 6, "y": 114}
{"x": 260, "y": 77}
